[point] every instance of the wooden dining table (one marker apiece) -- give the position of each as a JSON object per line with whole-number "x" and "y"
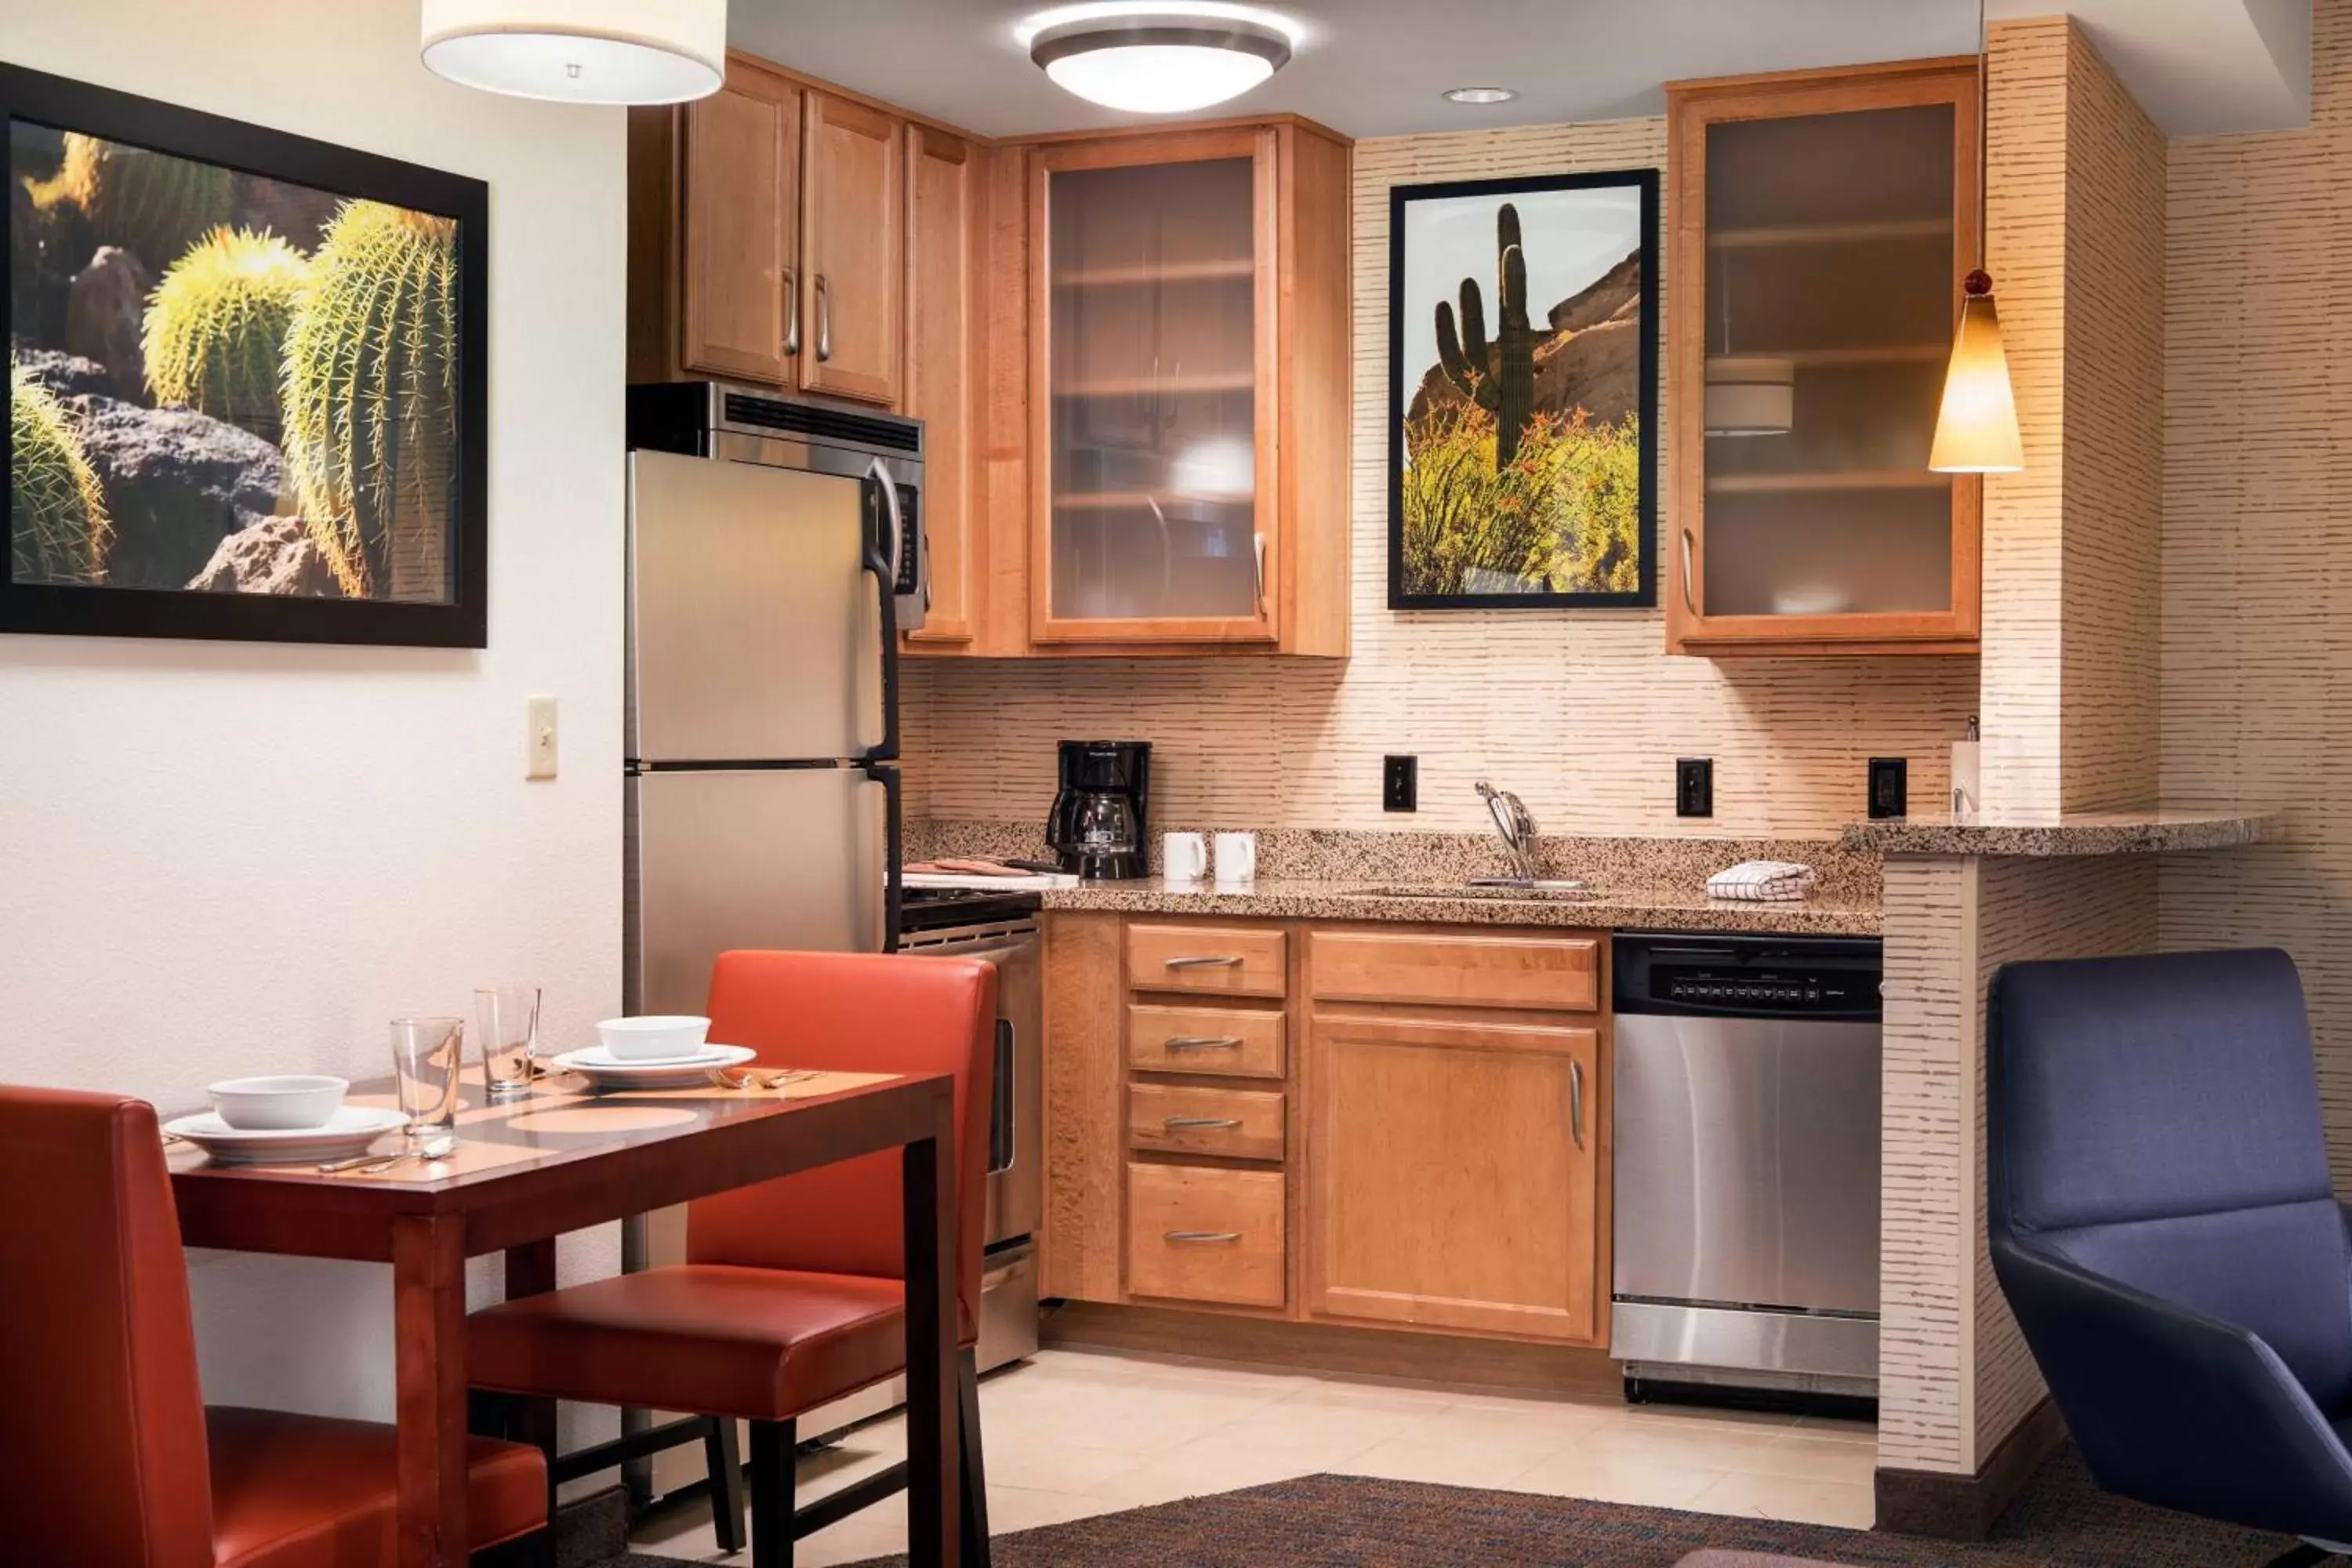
{"x": 525, "y": 1172}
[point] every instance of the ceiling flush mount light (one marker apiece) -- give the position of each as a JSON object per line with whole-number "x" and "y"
{"x": 1480, "y": 95}
{"x": 1159, "y": 59}
{"x": 1976, "y": 429}
{"x": 580, "y": 51}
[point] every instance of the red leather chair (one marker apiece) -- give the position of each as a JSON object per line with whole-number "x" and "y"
{"x": 113, "y": 1460}
{"x": 793, "y": 1293}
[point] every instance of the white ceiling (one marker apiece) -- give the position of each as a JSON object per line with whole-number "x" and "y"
{"x": 1375, "y": 68}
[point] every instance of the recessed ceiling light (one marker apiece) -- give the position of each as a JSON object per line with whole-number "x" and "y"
{"x": 580, "y": 51}
{"x": 1159, "y": 58}
{"x": 1480, "y": 95}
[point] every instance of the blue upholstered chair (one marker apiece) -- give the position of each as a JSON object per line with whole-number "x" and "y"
{"x": 2164, "y": 1226}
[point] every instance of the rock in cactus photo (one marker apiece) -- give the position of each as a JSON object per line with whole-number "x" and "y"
{"x": 1523, "y": 341}
{"x": 235, "y": 383}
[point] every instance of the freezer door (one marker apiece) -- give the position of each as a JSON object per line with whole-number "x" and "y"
{"x": 1748, "y": 1162}
{"x": 755, "y": 631}
{"x": 792, "y": 859}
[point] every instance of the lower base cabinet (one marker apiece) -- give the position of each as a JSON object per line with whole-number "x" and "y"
{"x": 1453, "y": 1175}
{"x": 1394, "y": 1127}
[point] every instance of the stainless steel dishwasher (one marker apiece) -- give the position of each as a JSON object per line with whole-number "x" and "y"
{"x": 1746, "y": 1162}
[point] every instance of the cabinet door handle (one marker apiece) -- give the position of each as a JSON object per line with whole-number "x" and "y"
{"x": 1690, "y": 600}
{"x": 1576, "y": 1102}
{"x": 1189, "y": 1123}
{"x": 1203, "y": 1042}
{"x": 1221, "y": 961}
{"x": 824, "y": 319}
{"x": 792, "y": 311}
{"x": 1200, "y": 1234}
{"x": 1260, "y": 541}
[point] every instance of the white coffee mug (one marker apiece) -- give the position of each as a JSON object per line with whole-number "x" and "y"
{"x": 1183, "y": 857}
{"x": 1236, "y": 858}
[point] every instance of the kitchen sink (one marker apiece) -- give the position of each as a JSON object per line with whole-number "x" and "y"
{"x": 1499, "y": 892}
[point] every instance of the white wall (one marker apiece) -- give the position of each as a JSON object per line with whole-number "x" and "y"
{"x": 221, "y": 858}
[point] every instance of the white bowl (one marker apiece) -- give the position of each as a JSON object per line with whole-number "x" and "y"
{"x": 664, "y": 1038}
{"x": 272, "y": 1104}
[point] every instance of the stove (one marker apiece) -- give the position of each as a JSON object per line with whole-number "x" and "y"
{"x": 938, "y": 908}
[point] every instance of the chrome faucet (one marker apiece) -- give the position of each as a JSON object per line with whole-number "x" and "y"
{"x": 1515, "y": 827}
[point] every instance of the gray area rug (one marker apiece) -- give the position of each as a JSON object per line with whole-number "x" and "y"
{"x": 2062, "y": 1520}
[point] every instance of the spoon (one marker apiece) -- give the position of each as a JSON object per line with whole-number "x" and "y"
{"x": 436, "y": 1146}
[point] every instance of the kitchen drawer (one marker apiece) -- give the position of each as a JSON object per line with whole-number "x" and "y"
{"x": 1559, "y": 974}
{"x": 1239, "y": 1123}
{"x": 1234, "y": 961}
{"x": 1197, "y": 1233}
{"x": 1228, "y": 1041}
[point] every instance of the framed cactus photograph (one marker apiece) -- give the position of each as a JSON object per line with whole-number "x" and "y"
{"x": 1523, "y": 466}
{"x": 246, "y": 380}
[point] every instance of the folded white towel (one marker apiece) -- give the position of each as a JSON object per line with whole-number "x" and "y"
{"x": 1762, "y": 881}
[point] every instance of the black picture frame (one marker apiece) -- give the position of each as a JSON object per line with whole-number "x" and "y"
{"x": 96, "y": 610}
{"x": 1401, "y": 198}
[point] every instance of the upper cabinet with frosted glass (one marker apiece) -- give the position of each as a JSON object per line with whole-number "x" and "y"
{"x": 1188, "y": 388}
{"x": 1821, "y": 224}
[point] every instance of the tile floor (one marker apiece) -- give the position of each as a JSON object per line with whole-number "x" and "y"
{"x": 1074, "y": 1433}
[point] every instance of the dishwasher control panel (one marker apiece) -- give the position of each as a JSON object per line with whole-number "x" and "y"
{"x": 1743, "y": 977}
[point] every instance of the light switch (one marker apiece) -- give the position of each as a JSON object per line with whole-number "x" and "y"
{"x": 541, "y": 722}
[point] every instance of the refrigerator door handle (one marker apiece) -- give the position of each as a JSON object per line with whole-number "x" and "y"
{"x": 894, "y": 887}
{"x": 884, "y": 564}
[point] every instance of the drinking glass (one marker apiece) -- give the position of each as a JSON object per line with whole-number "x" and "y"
{"x": 506, "y": 1018}
{"x": 425, "y": 1052}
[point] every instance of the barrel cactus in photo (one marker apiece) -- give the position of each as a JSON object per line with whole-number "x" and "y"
{"x": 57, "y": 527}
{"x": 371, "y": 390}
{"x": 153, "y": 205}
{"x": 214, "y": 332}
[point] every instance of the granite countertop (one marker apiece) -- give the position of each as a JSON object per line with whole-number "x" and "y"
{"x": 2129, "y": 832}
{"x": 1638, "y": 909}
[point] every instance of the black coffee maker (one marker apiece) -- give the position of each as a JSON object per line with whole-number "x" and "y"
{"x": 1097, "y": 824}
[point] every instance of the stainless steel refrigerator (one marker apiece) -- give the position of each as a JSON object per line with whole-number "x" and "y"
{"x": 769, "y": 566}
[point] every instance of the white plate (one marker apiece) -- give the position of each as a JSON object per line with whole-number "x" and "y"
{"x": 349, "y": 1131}
{"x": 602, "y": 1071}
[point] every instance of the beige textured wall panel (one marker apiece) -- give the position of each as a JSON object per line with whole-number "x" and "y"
{"x": 1924, "y": 1285}
{"x": 2024, "y": 522}
{"x": 2034, "y": 909}
{"x": 2257, "y": 636}
{"x": 2114, "y": 442}
{"x": 1581, "y": 712}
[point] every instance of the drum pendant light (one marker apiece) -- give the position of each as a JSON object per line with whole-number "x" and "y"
{"x": 1976, "y": 429}
{"x": 580, "y": 51}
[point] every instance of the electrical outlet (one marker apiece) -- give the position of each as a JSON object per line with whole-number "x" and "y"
{"x": 1890, "y": 787}
{"x": 1694, "y": 787}
{"x": 1400, "y": 783}
{"x": 539, "y": 725}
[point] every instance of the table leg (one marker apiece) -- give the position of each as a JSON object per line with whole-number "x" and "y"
{"x": 531, "y": 1271}
{"x": 931, "y": 1412}
{"x": 428, "y": 1283}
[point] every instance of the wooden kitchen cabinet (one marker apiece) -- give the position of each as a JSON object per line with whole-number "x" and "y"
{"x": 1453, "y": 1174}
{"x": 943, "y": 218}
{"x": 1394, "y": 1126}
{"x": 1821, "y": 224}
{"x": 853, "y": 250}
{"x": 767, "y": 238}
{"x": 1189, "y": 342}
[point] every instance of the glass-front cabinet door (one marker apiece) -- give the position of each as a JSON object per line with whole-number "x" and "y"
{"x": 1823, "y": 224}
{"x": 1157, "y": 517}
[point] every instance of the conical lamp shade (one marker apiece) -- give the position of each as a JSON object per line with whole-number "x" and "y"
{"x": 1976, "y": 433}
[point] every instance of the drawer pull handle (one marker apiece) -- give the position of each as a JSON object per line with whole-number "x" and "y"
{"x": 1203, "y": 1042}
{"x": 1220, "y": 960}
{"x": 1179, "y": 1124}
{"x": 1213, "y": 1236}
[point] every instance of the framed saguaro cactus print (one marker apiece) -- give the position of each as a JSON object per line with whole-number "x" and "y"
{"x": 1522, "y": 382}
